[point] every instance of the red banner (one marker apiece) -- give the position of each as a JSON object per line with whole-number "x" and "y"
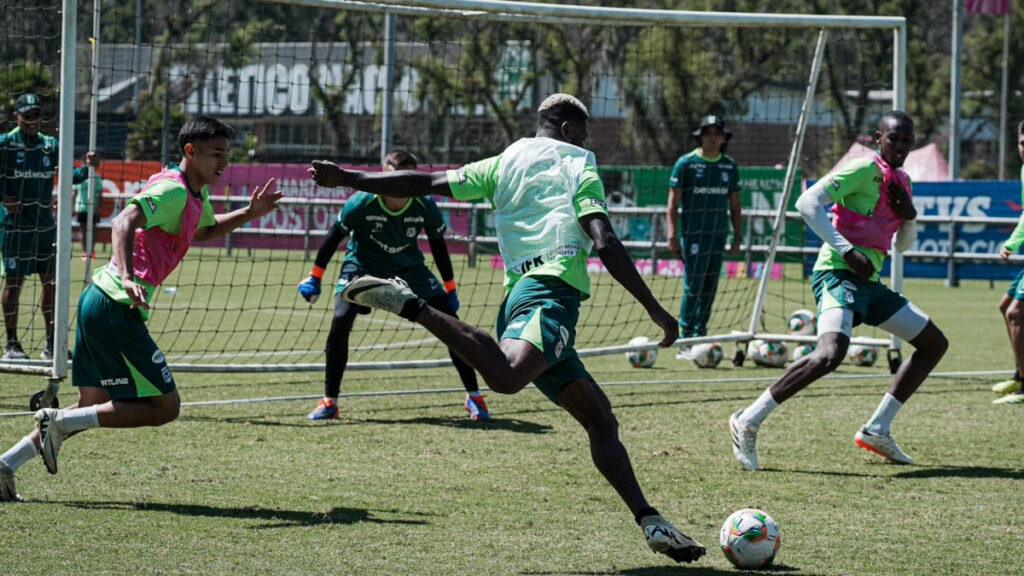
{"x": 987, "y": 6}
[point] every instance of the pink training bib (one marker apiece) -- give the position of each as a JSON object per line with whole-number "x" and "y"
{"x": 157, "y": 253}
{"x": 874, "y": 230}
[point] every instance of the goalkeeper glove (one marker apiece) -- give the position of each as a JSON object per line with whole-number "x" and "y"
{"x": 310, "y": 289}
{"x": 453, "y": 296}
{"x": 453, "y": 299}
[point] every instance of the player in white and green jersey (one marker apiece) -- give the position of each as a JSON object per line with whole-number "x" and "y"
{"x": 1012, "y": 304}
{"x": 122, "y": 376}
{"x": 705, "y": 183}
{"x": 873, "y": 211}
{"x": 549, "y": 212}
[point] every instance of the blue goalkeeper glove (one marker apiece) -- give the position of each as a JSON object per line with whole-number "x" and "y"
{"x": 310, "y": 289}
{"x": 453, "y": 299}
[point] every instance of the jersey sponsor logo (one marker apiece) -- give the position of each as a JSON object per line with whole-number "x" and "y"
{"x": 711, "y": 190}
{"x": 524, "y": 265}
{"x": 596, "y": 202}
{"x": 158, "y": 357}
{"x": 516, "y": 325}
{"x": 835, "y": 183}
{"x": 413, "y": 219}
{"x": 376, "y": 218}
{"x": 387, "y": 247}
{"x": 41, "y": 174}
{"x": 461, "y": 174}
{"x": 165, "y": 372}
{"x": 151, "y": 203}
{"x": 108, "y": 382}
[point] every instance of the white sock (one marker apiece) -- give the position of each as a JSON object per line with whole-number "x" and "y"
{"x": 22, "y": 452}
{"x": 75, "y": 419}
{"x": 760, "y": 409}
{"x": 882, "y": 418}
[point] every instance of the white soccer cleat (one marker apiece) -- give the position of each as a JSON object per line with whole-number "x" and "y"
{"x": 8, "y": 492}
{"x": 390, "y": 295}
{"x": 883, "y": 445}
{"x": 744, "y": 441}
{"x": 664, "y": 538}
{"x": 51, "y": 436}
{"x": 685, "y": 353}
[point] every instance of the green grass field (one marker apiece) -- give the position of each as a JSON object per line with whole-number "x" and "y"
{"x": 406, "y": 484}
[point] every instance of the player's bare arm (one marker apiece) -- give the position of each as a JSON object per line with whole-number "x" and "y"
{"x": 615, "y": 258}
{"x": 671, "y": 216}
{"x": 122, "y": 239}
{"x": 262, "y": 201}
{"x": 398, "y": 183}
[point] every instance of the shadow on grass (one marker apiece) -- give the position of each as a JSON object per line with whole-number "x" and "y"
{"x": 963, "y": 472}
{"x": 273, "y": 518}
{"x": 503, "y": 424}
{"x": 687, "y": 569}
{"x": 462, "y": 423}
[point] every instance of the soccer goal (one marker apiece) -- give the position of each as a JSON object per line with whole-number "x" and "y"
{"x": 452, "y": 81}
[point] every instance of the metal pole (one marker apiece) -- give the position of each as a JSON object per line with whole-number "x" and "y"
{"x": 1003, "y": 89}
{"x": 954, "y": 91}
{"x": 66, "y": 164}
{"x": 899, "y": 102}
{"x": 90, "y": 184}
{"x": 137, "y": 59}
{"x": 389, "y": 86}
{"x": 794, "y": 155}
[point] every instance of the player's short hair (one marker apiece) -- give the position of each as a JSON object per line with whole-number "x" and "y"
{"x": 1020, "y": 127}
{"x": 401, "y": 160}
{"x": 897, "y": 115}
{"x": 201, "y": 129}
{"x": 559, "y": 108}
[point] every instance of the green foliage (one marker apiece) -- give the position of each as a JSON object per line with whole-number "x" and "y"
{"x": 145, "y": 141}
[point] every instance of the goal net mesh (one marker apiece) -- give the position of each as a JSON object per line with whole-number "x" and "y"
{"x": 337, "y": 82}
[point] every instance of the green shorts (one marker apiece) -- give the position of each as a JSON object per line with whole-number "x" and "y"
{"x": 420, "y": 280}
{"x": 29, "y": 252}
{"x": 114, "y": 351}
{"x": 543, "y": 310}
{"x": 1017, "y": 287}
{"x": 871, "y": 302}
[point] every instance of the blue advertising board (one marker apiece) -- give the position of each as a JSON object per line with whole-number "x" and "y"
{"x": 982, "y": 199}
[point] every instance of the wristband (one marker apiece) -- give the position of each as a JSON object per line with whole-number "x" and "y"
{"x": 449, "y": 285}
{"x": 317, "y": 272}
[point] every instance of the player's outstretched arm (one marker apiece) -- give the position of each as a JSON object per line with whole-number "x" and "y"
{"x": 399, "y": 183}
{"x": 618, "y": 263}
{"x": 262, "y": 201}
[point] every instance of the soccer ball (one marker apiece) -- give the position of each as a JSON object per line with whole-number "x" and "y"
{"x": 802, "y": 322}
{"x": 754, "y": 350}
{"x": 750, "y": 538}
{"x": 707, "y": 355}
{"x": 801, "y": 350}
{"x": 861, "y": 355}
{"x": 641, "y": 358}
{"x": 772, "y": 353}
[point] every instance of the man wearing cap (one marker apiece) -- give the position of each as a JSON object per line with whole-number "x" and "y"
{"x": 705, "y": 183}
{"x": 28, "y": 163}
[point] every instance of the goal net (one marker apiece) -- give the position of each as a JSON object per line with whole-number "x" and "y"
{"x": 452, "y": 82}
